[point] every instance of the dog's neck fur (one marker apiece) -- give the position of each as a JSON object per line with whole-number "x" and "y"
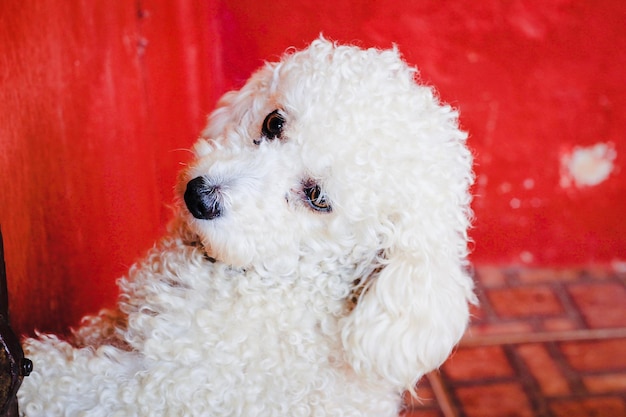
{"x": 358, "y": 289}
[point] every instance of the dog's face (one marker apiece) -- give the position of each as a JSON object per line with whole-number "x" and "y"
{"x": 313, "y": 159}
{"x": 334, "y": 162}
{"x": 269, "y": 187}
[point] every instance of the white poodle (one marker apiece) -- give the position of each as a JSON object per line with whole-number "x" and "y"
{"x": 316, "y": 265}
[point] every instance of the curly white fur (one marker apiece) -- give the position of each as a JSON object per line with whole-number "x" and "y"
{"x": 248, "y": 313}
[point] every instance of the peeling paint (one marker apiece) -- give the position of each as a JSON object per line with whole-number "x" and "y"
{"x": 587, "y": 166}
{"x": 529, "y": 183}
{"x": 515, "y": 203}
{"x": 505, "y": 188}
{"x": 619, "y": 266}
{"x": 526, "y": 257}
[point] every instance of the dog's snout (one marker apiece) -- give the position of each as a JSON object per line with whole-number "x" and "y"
{"x": 203, "y": 200}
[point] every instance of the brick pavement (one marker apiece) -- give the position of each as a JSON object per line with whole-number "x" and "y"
{"x": 543, "y": 342}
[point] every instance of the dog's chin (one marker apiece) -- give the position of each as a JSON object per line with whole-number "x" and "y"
{"x": 227, "y": 249}
{"x": 217, "y": 252}
{"x": 243, "y": 254}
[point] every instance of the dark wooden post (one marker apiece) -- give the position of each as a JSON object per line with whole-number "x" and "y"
{"x": 13, "y": 365}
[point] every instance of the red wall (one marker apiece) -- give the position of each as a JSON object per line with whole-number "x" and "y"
{"x": 99, "y": 99}
{"x": 533, "y": 80}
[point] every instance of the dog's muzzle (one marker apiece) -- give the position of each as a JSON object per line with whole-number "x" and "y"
{"x": 203, "y": 200}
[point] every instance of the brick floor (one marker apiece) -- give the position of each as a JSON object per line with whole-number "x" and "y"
{"x": 543, "y": 342}
{"x": 503, "y": 399}
{"x": 596, "y": 355}
{"x": 601, "y": 305}
{"x": 536, "y": 300}
{"x": 546, "y": 371}
{"x": 472, "y": 364}
{"x": 587, "y": 407}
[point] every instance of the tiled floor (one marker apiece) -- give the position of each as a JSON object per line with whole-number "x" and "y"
{"x": 542, "y": 343}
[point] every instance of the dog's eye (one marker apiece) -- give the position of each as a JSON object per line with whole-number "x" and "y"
{"x": 273, "y": 125}
{"x": 316, "y": 198}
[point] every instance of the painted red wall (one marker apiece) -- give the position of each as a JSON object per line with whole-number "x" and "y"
{"x": 533, "y": 80}
{"x": 99, "y": 100}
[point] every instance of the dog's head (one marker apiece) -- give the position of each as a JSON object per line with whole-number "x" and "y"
{"x": 335, "y": 161}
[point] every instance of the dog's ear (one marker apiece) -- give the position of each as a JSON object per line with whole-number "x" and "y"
{"x": 413, "y": 313}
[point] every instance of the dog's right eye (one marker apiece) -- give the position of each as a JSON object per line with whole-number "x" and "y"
{"x": 273, "y": 125}
{"x": 315, "y": 197}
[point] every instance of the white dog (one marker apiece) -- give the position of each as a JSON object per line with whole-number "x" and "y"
{"x": 316, "y": 265}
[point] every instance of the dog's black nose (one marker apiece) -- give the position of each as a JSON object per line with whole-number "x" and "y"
{"x": 202, "y": 199}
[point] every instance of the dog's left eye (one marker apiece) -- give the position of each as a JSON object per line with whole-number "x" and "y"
{"x": 273, "y": 125}
{"x": 316, "y": 198}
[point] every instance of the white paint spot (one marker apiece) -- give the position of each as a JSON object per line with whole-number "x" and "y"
{"x": 515, "y": 203}
{"x": 529, "y": 183}
{"x": 587, "y": 166}
{"x": 619, "y": 266}
{"x": 472, "y": 57}
{"x": 505, "y": 188}
{"x": 526, "y": 257}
